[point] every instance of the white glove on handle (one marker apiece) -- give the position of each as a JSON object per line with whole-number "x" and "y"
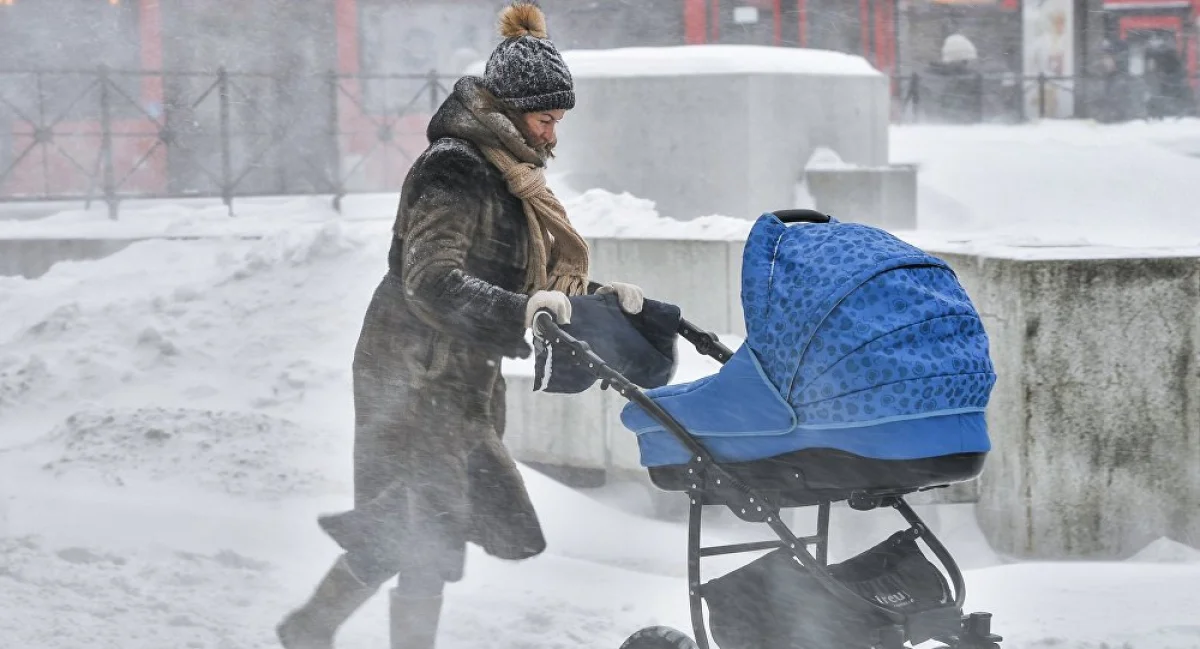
{"x": 556, "y": 302}
{"x": 628, "y": 295}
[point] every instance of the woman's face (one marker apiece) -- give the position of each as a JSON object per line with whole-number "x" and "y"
{"x": 539, "y": 127}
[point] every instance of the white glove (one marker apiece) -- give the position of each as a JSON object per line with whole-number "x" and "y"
{"x": 628, "y": 295}
{"x": 556, "y": 302}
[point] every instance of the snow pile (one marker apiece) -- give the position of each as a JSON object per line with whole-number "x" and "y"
{"x": 1165, "y": 550}
{"x": 299, "y": 247}
{"x": 19, "y": 376}
{"x": 826, "y": 159}
{"x": 238, "y": 453}
{"x": 597, "y": 213}
{"x": 713, "y": 60}
{"x": 189, "y": 324}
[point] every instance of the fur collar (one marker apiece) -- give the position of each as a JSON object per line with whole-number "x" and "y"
{"x": 469, "y": 113}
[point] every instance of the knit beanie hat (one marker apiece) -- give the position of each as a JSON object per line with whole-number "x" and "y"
{"x": 526, "y": 71}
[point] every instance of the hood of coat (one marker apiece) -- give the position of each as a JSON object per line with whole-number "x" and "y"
{"x": 469, "y": 113}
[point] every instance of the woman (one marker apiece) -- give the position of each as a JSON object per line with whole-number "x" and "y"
{"x": 480, "y": 245}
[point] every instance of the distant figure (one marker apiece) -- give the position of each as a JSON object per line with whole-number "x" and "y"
{"x": 955, "y": 92}
{"x": 958, "y": 49}
{"x": 1170, "y": 94}
{"x": 1117, "y": 98}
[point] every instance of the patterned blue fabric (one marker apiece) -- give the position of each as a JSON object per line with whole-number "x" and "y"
{"x": 850, "y": 330}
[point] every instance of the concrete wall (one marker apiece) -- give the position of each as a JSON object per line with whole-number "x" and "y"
{"x": 32, "y": 258}
{"x": 1096, "y": 419}
{"x": 733, "y": 144}
{"x": 702, "y": 277}
{"x": 884, "y": 197}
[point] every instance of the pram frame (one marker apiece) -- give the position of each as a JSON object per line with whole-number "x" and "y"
{"x": 944, "y": 624}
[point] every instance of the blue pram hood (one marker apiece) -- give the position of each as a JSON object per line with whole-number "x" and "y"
{"x": 855, "y": 340}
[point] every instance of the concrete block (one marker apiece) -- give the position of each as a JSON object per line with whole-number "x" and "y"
{"x": 557, "y": 430}
{"x": 884, "y": 197}
{"x": 1094, "y": 420}
{"x": 722, "y": 143}
{"x": 624, "y": 459}
{"x": 737, "y": 320}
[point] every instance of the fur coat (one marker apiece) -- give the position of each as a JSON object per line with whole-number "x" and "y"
{"x": 431, "y": 472}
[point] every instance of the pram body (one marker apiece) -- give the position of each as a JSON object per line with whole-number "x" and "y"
{"x": 864, "y": 377}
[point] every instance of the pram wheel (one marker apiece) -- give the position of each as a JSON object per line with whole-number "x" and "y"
{"x": 659, "y": 637}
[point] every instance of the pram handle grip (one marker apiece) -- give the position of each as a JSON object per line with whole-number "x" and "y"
{"x": 544, "y": 322}
{"x": 706, "y": 342}
{"x": 801, "y": 216}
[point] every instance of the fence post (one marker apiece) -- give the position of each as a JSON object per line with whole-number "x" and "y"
{"x": 1022, "y": 100}
{"x": 979, "y": 103}
{"x": 226, "y": 160}
{"x": 914, "y": 93}
{"x": 1042, "y": 95}
{"x": 434, "y": 100}
{"x": 106, "y": 144}
{"x": 277, "y": 137}
{"x": 335, "y": 148}
{"x": 1080, "y": 95}
{"x": 42, "y": 127}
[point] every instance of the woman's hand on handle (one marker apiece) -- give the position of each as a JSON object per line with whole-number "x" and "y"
{"x": 556, "y": 302}
{"x": 630, "y": 296}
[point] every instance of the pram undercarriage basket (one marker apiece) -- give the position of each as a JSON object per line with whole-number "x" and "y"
{"x": 791, "y": 597}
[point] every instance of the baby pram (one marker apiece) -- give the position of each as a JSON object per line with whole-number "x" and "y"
{"x": 863, "y": 378}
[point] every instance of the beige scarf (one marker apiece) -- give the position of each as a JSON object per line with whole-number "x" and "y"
{"x": 558, "y": 256}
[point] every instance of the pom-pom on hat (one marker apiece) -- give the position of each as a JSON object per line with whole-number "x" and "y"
{"x": 525, "y": 71}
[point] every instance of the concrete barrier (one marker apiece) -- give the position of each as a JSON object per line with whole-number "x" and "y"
{"x": 31, "y": 258}
{"x": 1095, "y": 418}
{"x": 731, "y": 136}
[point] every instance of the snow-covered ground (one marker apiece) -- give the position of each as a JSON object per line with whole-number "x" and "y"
{"x": 173, "y": 417}
{"x": 1060, "y": 189}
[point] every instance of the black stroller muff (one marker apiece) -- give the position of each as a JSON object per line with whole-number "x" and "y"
{"x": 864, "y": 378}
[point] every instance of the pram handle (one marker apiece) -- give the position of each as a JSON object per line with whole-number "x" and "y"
{"x": 546, "y": 327}
{"x": 706, "y": 342}
{"x": 801, "y": 216}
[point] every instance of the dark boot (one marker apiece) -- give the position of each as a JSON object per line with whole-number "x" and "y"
{"x": 335, "y": 599}
{"x": 414, "y": 620}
